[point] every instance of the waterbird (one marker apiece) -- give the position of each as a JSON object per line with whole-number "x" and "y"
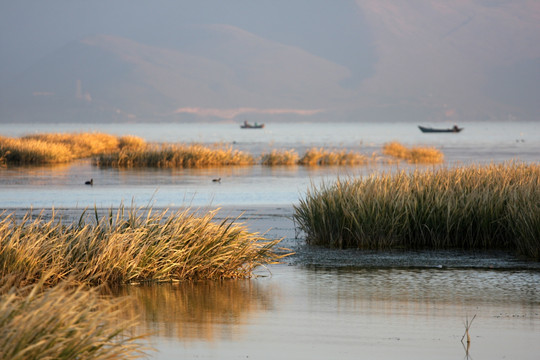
{"x": 216, "y": 180}
{"x": 89, "y": 182}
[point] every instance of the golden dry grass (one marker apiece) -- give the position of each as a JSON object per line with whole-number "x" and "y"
{"x": 63, "y": 322}
{"x": 279, "y": 157}
{"x": 323, "y": 157}
{"x": 415, "y": 154}
{"x": 175, "y": 156}
{"x": 476, "y": 207}
{"x": 138, "y": 245}
{"x": 57, "y": 148}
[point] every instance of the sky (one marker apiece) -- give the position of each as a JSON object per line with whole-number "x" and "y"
{"x": 417, "y": 59}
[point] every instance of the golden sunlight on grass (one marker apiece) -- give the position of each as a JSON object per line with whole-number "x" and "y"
{"x": 314, "y": 157}
{"x": 415, "y": 154}
{"x": 476, "y": 207}
{"x": 132, "y": 246}
{"x": 61, "y": 147}
{"x": 276, "y": 157}
{"x": 63, "y": 322}
{"x": 175, "y": 156}
{"x": 131, "y": 151}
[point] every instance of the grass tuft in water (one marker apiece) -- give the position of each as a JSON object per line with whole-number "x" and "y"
{"x": 415, "y": 154}
{"x": 277, "y": 158}
{"x": 63, "y": 322}
{"x": 138, "y": 245}
{"x": 476, "y": 207}
{"x": 175, "y": 156}
{"x": 57, "y": 148}
{"x": 317, "y": 157}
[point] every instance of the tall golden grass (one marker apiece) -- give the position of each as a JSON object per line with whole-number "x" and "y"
{"x": 131, "y": 151}
{"x": 63, "y": 322}
{"x": 81, "y": 145}
{"x": 277, "y": 158}
{"x": 175, "y": 156}
{"x": 61, "y": 147}
{"x": 138, "y": 245}
{"x": 316, "y": 157}
{"x": 415, "y": 154}
{"x": 32, "y": 151}
{"x": 475, "y": 207}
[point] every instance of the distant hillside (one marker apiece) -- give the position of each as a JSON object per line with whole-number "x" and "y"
{"x": 105, "y": 77}
{"x": 423, "y": 61}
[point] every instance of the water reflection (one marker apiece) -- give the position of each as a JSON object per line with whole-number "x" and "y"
{"x": 340, "y": 313}
{"x": 203, "y": 310}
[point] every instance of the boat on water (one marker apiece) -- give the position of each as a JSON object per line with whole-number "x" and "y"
{"x": 247, "y": 125}
{"x": 454, "y": 129}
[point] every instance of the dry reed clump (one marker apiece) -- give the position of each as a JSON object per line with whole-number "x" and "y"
{"x": 133, "y": 246}
{"x": 476, "y": 207}
{"x": 175, "y": 156}
{"x": 61, "y": 147}
{"x": 316, "y": 157}
{"x": 130, "y": 142}
{"x": 276, "y": 158}
{"x": 63, "y": 323}
{"x": 32, "y": 151}
{"x": 81, "y": 145}
{"x": 416, "y": 154}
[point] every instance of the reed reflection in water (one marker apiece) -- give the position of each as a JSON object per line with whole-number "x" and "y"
{"x": 195, "y": 310}
{"x": 302, "y": 312}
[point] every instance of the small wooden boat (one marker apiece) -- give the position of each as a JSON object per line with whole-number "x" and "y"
{"x": 247, "y": 125}
{"x": 454, "y": 129}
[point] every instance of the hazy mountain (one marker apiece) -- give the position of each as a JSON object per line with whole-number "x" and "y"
{"x": 429, "y": 60}
{"x": 103, "y": 77}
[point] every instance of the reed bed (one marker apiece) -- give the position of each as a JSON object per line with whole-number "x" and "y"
{"x": 32, "y": 151}
{"x": 81, "y": 145}
{"x": 57, "y": 148}
{"x": 63, "y": 323}
{"x": 277, "y": 158}
{"x": 476, "y": 207}
{"x": 175, "y": 156}
{"x": 320, "y": 156}
{"x": 131, "y": 246}
{"x": 415, "y": 154}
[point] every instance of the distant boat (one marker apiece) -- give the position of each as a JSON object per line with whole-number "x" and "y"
{"x": 454, "y": 129}
{"x": 247, "y": 125}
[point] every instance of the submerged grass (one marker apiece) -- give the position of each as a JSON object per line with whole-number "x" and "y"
{"x": 415, "y": 154}
{"x": 62, "y": 322}
{"x": 131, "y": 246}
{"x": 476, "y": 207}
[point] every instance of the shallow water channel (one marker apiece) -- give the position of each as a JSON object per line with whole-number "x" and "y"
{"x": 346, "y": 304}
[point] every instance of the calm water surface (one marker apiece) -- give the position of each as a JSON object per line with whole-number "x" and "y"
{"x": 319, "y": 304}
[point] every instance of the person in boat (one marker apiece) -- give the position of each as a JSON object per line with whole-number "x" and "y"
{"x": 455, "y": 128}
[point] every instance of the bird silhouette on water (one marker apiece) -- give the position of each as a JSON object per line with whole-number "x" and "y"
{"x": 89, "y": 182}
{"x": 216, "y": 180}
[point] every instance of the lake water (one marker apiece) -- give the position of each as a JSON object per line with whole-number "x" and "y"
{"x": 63, "y": 186}
{"x": 321, "y": 303}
